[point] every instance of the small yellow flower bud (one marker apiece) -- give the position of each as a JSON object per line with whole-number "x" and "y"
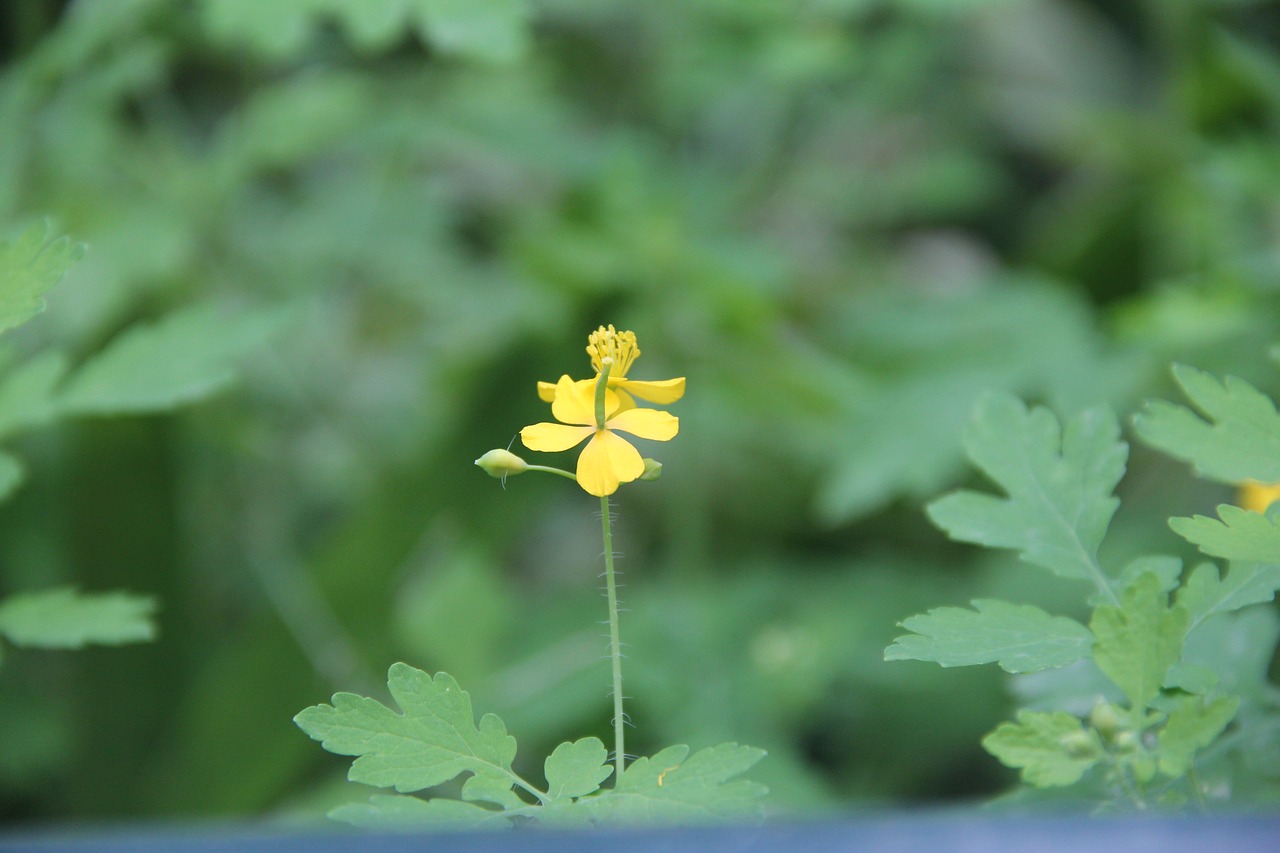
{"x": 652, "y": 469}
{"x": 502, "y": 463}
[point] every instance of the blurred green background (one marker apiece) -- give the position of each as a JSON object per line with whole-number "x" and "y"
{"x": 842, "y": 220}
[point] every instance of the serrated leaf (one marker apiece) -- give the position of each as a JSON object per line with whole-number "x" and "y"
{"x": 188, "y": 355}
{"x": 1193, "y": 725}
{"x": 403, "y": 813}
{"x": 31, "y": 264}
{"x": 1059, "y": 486}
{"x": 577, "y": 769}
{"x": 1019, "y": 637}
{"x": 1238, "y": 439}
{"x": 1139, "y": 641}
{"x": 1050, "y": 749}
{"x": 1240, "y": 534}
{"x": 64, "y": 618}
{"x": 1206, "y": 594}
{"x": 1168, "y": 570}
{"x": 432, "y": 741}
{"x": 673, "y": 787}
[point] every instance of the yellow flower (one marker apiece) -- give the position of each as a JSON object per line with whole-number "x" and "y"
{"x": 607, "y": 342}
{"x": 608, "y": 459}
{"x": 1257, "y": 496}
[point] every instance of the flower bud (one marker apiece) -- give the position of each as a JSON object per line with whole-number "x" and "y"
{"x": 1105, "y": 718}
{"x": 502, "y": 463}
{"x": 652, "y": 469}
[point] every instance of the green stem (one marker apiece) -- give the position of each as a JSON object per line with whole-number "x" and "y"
{"x": 602, "y": 385}
{"x": 615, "y": 646}
{"x": 549, "y": 470}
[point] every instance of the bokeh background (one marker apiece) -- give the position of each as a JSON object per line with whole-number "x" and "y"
{"x": 842, "y": 220}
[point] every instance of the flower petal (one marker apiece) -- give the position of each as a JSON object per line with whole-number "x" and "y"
{"x": 606, "y": 461}
{"x": 547, "y": 391}
{"x": 662, "y": 391}
{"x": 575, "y": 402}
{"x": 549, "y": 438}
{"x": 646, "y": 423}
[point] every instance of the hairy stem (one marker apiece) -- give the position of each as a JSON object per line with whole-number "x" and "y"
{"x": 615, "y": 648}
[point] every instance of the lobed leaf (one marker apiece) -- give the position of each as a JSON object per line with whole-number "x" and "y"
{"x": 1238, "y": 438}
{"x": 1193, "y": 724}
{"x": 673, "y": 787}
{"x": 31, "y": 264}
{"x": 1050, "y": 749}
{"x": 1241, "y": 534}
{"x": 432, "y": 741}
{"x": 577, "y": 769}
{"x": 1139, "y": 641}
{"x": 187, "y": 355}
{"x": 63, "y": 618}
{"x": 1059, "y": 486}
{"x": 1019, "y": 637}
{"x": 1206, "y": 594}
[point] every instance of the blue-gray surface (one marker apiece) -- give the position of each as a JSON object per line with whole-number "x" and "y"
{"x": 906, "y": 833}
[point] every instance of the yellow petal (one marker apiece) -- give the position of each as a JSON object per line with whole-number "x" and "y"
{"x": 547, "y": 391}
{"x": 646, "y": 423}
{"x": 663, "y": 391}
{"x": 550, "y": 438}
{"x": 606, "y": 461}
{"x": 575, "y": 402}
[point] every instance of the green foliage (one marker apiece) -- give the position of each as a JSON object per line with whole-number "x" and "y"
{"x": 1240, "y": 535}
{"x": 1019, "y": 637}
{"x": 1240, "y": 440}
{"x": 68, "y": 619}
{"x": 31, "y": 264}
{"x": 434, "y": 739}
{"x": 846, "y": 222}
{"x": 1145, "y": 634}
{"x": 1059, "y": 484}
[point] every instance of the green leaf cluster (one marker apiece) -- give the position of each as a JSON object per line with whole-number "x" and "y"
{"x": 1162, "y": 705}
{"x": 434, "y": 738}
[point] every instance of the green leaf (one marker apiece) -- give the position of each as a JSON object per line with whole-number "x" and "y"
{"x": 1238, "y": 439}
{"x": 27, "y": 393}
{"x": 1059, "y": 486}
{"x": 188, "y": 355}
{"x": 1206, "y": 594}
{"x": 1050, "y": 749}
{"x": 577, "y": 769}
{"x": 1241, "y": 534}
{"x": 1139, "y": 641}
{"x": 492, "y": 30}
{"x": 30, "y": 265}
{"x": 1193, "y": 725}
{"x": 1020, "y": 638}
{"x": 434, "y": 740}
{"x": 400, "y": 812}
{"x": 66, "y": 619}
{"x": 673, "y": 787}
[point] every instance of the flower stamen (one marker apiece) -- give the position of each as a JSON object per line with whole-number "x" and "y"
{"x": 608, "y": 342}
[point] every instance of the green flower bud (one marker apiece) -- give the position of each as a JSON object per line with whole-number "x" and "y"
{"x": 1079, "y": 744}
{"x": 652, "y": 469}
{"x": 1105, "y": 718}
{"x": 502, "y": 463}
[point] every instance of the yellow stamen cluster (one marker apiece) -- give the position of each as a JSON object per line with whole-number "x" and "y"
{"x": 608, "y": 342}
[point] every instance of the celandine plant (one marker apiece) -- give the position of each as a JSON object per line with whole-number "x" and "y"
{"x": 434, "y": 738}
{"x": 1163, "y": 698}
